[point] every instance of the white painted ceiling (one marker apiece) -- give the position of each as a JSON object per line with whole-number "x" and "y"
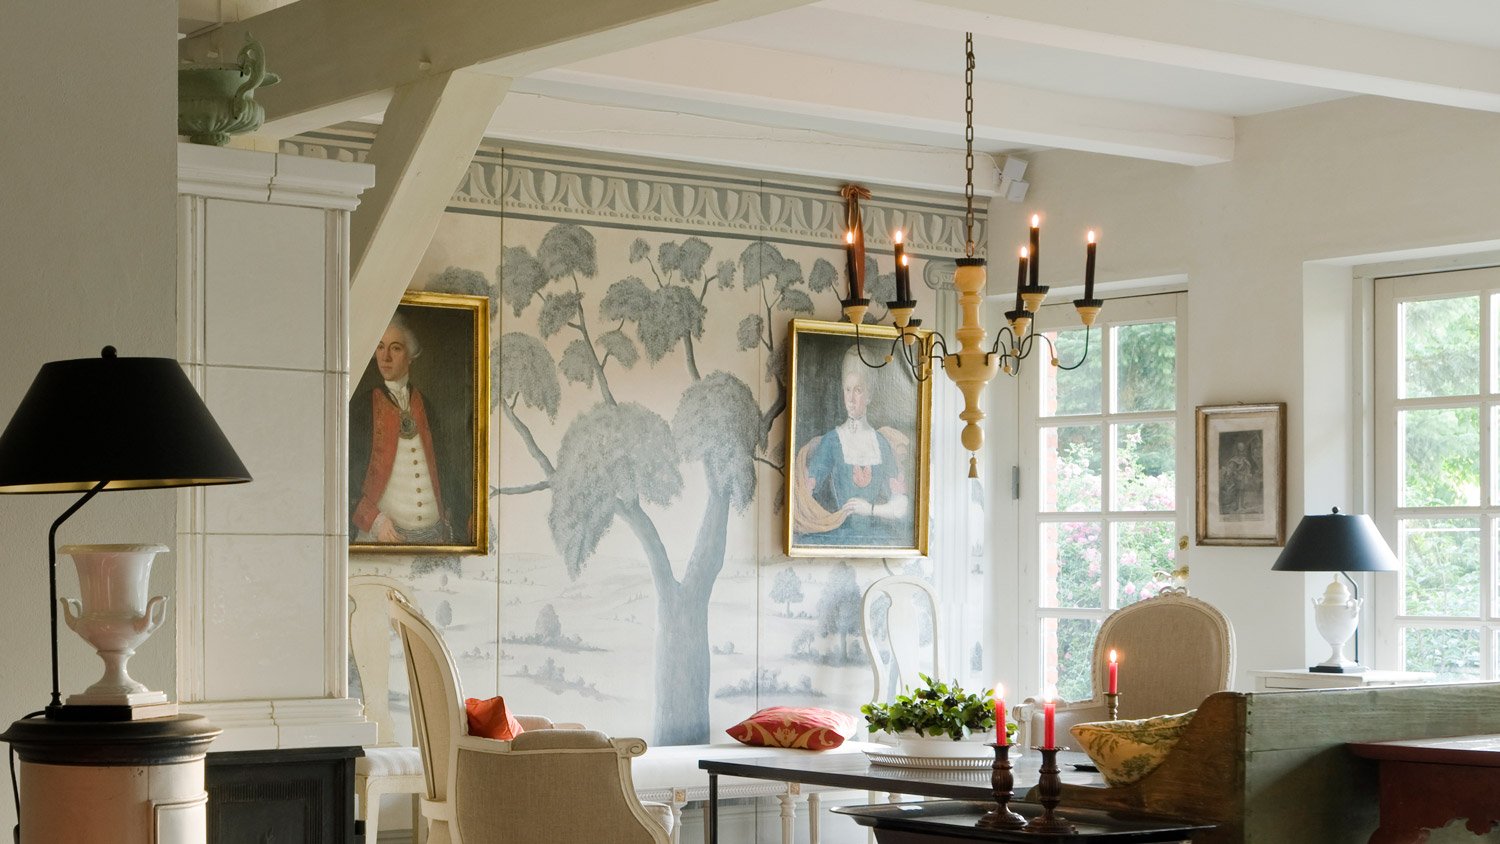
{"x": 831, "y": 30}
{"x": 878, "y": 84}
{"x": 1461, "y": 21}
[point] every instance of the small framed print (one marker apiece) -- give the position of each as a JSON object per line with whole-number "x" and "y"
{"x": 858, "y": 439}
{"x": 418, "y": 425}
{"x": 1241, "y": 474}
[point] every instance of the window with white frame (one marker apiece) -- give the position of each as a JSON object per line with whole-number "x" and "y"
{"x": 1101, "y": 507}
{"x": 1437, "y": 491}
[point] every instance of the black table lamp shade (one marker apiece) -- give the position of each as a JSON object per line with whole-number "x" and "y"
{"x": 1336, "y": 542}
{"x": 136, "y": 423}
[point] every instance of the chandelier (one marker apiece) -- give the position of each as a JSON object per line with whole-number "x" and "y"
{"x": 973, "y": 366}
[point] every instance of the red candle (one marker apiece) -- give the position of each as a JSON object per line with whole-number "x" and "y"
{"x": 1000, "y": 736}
{"x": 1114, "y": 672}
{"x": 1049, "y": 719}
{"x": 1088, "y": 268}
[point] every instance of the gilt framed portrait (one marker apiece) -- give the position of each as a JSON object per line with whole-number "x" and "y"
{"x": 857, "y": 444}
{"x": 1241, "y": 473}
{"x": 418, "y": 431}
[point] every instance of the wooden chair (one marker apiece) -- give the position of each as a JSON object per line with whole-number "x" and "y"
{"x": 547, "y": 785}
{"x": 1175, "y": 651}
{"x": 388, "y": 767}
{"x": 906, "y": 599}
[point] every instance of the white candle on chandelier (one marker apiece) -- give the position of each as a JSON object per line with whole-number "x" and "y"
{"x": 1088, "y": 268}
{"x": 856, "y": 283}
{"x": 903, "y": 275}
{"x": 1021, "y": 278}
{"x": 1036, "y": 249}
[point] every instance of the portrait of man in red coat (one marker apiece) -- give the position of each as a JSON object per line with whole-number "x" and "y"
{"x": 400, "y": 492}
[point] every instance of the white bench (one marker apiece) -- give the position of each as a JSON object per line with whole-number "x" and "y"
{"x": 671, "y": 775}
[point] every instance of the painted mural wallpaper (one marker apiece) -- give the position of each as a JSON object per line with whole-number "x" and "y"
{"x": 635, "y": 580}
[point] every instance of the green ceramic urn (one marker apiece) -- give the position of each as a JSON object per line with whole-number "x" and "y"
{"x": 216, "y": 101}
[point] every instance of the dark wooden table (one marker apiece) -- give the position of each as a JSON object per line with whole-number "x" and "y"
{"x": 855, "y": 771}
{"x": 940, "y": 821}
{"x": 1425, "y": 783}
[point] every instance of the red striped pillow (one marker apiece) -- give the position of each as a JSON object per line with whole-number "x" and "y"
{"x": 807, "y": 728}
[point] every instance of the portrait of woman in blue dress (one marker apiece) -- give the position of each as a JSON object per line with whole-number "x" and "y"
{"x": 851, "y": 483}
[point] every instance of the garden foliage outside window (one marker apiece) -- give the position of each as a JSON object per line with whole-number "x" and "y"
{"x": 1101, "y": 502}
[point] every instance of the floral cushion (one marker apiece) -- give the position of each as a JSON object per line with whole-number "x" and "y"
{"x": 1126, "y": 751}
{"x": 807, "y": 728}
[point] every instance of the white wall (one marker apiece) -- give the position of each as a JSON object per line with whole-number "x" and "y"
{"x": 1327, "y": 183}
{"x": 87, "y": 231}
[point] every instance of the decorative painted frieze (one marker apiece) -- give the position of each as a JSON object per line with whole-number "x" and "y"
{"x": 681, "y": 199}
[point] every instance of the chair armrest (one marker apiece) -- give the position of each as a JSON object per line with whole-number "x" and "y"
{"x": 1029, "y": 723}
{"x": 568, "y": 725}
{"x": 536, "y": 722}
{"x": 545, "y": 740}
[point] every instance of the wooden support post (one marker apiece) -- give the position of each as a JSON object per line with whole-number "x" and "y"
{"x": 420, "y": 153}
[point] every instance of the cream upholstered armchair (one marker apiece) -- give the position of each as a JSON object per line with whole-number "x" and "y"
{"x": 546, "y": 785}
{"x": 1175, "y": 651}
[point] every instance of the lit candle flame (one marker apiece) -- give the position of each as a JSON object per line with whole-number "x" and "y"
{"x": 1025, "y": 252}
{"x": 899, "y": 235}
{"x": 1051, "y": 694}
{"x": 1091, "y": 235}
{"x": 1113, "y": 657}
{"x": 1000, "y": 690}
{"x": 905, "y": 260}
{"x": 849, "y": 237}
{"x": 1036, "y": 220}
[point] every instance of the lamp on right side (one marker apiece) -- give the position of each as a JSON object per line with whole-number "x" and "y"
{"x": 1337, "y": 543}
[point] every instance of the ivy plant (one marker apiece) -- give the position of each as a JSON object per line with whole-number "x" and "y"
{"x": 935, "y": 709}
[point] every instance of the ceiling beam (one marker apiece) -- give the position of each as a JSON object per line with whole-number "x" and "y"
{"x": 795, "y": 90}
{"x": 421, "y": 152}
{"x": 1229, "y": 38}
{"x": 341, "y": 57}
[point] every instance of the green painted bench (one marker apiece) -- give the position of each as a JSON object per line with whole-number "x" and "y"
{"x": 1272, "y": 768}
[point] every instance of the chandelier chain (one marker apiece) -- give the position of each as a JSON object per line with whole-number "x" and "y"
{"x": 969, "y": 144}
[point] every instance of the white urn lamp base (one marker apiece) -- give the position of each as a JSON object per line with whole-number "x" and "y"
{"x": 115, "y": 616}
{"x": 1336, "y": 614}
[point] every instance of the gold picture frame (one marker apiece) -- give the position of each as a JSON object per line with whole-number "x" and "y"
{"x": 435, "y": 431}
{"x": 887, "y": 423}
{"x": 1241, "y": 474}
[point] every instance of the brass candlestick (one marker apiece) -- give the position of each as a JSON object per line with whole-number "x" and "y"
{"x": 1049, "y": 794}
{"x": 1003, "y": 783}
{"x": 1112, "y": 705}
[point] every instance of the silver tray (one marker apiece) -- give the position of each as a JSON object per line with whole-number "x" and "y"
{"x": 896, "y": 758}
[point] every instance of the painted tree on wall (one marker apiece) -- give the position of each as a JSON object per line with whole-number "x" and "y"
{"x": 787, "y": 589}
{"x": 621, "y": 455}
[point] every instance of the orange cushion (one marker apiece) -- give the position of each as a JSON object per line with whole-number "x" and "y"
{"x": 490, "y": 719}
{"x": 807, "y": 728}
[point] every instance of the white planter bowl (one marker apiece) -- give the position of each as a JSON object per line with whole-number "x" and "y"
{"x": 943, "y": 747}
{"x": 909, "y": 750}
